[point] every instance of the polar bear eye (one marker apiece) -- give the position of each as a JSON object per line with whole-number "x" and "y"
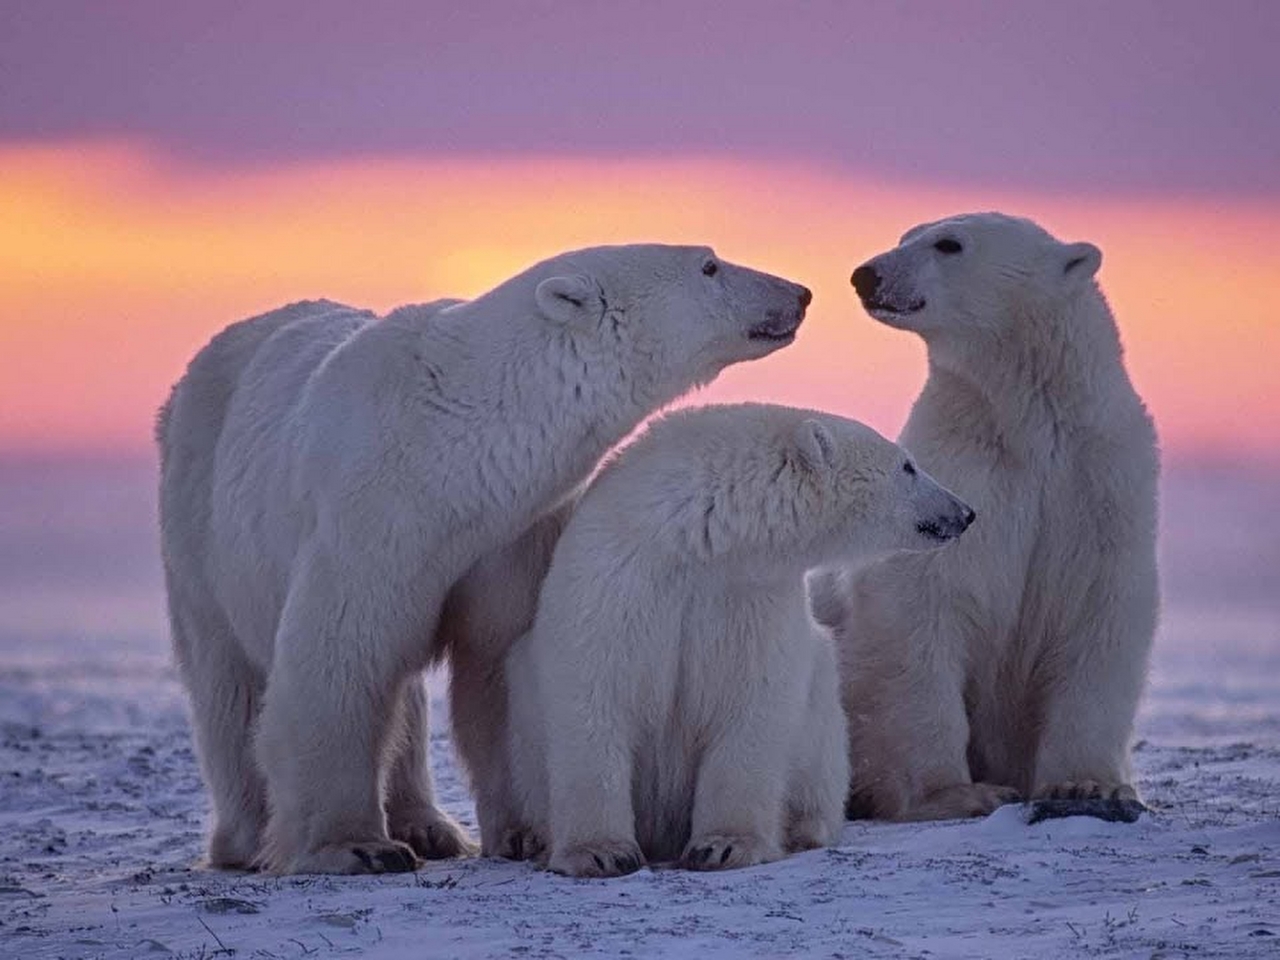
{"x": 710, "y": 268}
{"x": 947, "y": 245}
{"x": 909, "y": 469}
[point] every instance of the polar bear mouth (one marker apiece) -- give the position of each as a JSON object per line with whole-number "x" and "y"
{"x": 934, "y": 531}
{"x": 890, "y": 310}
{"x": 774, "y": 331}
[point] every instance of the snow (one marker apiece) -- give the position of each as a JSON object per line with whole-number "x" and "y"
{"x": 102, "y": 813}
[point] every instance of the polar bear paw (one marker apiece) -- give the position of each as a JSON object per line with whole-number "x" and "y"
{"x": 1087, "y": 790}
{"x": 963, "y": 800}
{"x": 363, "y": 856}
{"x": 432, "y": 834}
{"x": 603, "y": 858}
{"x": 726, "y": 852}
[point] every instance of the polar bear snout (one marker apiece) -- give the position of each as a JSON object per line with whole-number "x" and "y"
{"x": 880, "y": 299}
{"x": 941, "y": 516}
{"x": 948, "y": 524}
{"x": 781, "y": 322}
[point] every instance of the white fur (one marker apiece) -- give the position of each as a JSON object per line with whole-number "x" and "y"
{"x": 327, "y": 477}
{"x": 674, "y": 699}
{"x": 484, "y": 614}
{"x": 1012, "y": 663}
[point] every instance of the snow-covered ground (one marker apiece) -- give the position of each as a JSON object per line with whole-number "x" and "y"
{"x": 102, "y": 810}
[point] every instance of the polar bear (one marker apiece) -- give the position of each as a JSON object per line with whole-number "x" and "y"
{"x": 327, "y": 477}
{"x": 1011, "y": 665}
{"x": 673, "y": 698}
{"x": 483, "y": 615}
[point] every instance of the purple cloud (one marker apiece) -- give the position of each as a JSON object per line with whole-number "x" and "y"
{"x": 1134, "y": 96}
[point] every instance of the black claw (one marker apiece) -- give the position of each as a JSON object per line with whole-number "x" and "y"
{"x": 599, "y": 862}
{"x": 363, "y": 856}
{"x": 724, "y": 857}
{"x": 628, "y": 863}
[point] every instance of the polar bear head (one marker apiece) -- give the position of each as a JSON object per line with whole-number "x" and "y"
{"x": 865, "y": 496}
{"x": 681, "y": 313}
{"x": 777, "y": 488}
{"x": 974, "y": 273}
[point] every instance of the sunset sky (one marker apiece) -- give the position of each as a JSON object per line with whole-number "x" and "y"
{"x": 168, "y": 168}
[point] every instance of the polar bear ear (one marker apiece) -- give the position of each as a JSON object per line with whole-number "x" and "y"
{"x": 815, "y": 445}
{"x": 574, "y": 300}
{"x": 1080, "y": 261}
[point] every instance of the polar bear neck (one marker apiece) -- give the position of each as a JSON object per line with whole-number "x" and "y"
{"x": 533, "y": 405}
{"x": 1046, "y": 372}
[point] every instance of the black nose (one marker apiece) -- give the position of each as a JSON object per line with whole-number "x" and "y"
{"x": 806, "y": 297}
{"x": 865, "y": 280}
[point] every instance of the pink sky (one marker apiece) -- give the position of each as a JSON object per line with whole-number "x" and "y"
{"x": 167, "y": 168}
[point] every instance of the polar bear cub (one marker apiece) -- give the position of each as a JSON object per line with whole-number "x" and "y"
{"x": 328, "y": 476}
{"x": 1012, "y": 664}
{"x": 674, "y": 699}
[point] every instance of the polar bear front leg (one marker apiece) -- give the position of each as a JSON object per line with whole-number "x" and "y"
{"x": 589, "y": 776}
{"x": 485, "y": 613}
{"x": 328, "y": 713}
{"x": 412, "y": 814}
{"x": 820, "y": 778}
{"x": 1084, "y": 750}
{"x": 1089, "y": 712}
{"x": 526, "y": 761}
{"x": 478, "y": 700}
{"x": 741, "y": 785}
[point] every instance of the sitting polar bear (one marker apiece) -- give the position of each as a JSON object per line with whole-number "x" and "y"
{"x": 1012, "y": 664}
{"x": 674, "y": 699}
{"x": 327, "y": 477}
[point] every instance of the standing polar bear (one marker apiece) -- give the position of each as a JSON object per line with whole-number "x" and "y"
{"x": 1011, "y": 664}
{"x": 327, "y": 477}
{"x": 674, "y": 699}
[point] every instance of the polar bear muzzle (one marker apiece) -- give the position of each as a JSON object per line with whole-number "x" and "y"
{"x": 867, "y": 282}
{"x": 781, "y": 323}
{"x": 947, "y": 521}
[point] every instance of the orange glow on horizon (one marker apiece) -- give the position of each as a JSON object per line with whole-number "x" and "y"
{"x": 115, "y": 266}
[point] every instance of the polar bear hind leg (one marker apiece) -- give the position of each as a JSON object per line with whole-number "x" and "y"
{"x": 226, "y": 692}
